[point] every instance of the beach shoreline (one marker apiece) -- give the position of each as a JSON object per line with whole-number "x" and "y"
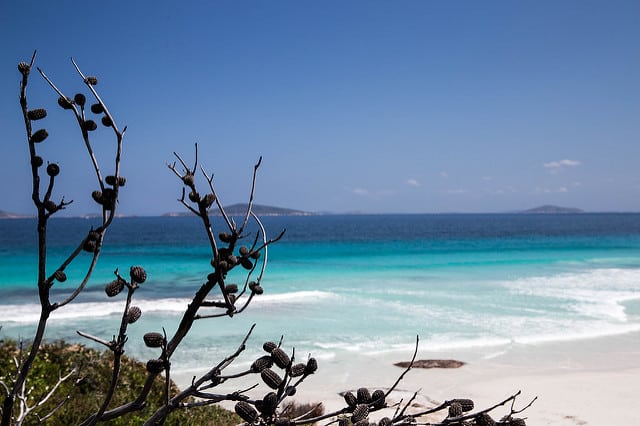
{"x": 580, "y": 382}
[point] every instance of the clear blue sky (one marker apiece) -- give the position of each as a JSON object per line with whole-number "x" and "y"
{"x": 372, "y": 106}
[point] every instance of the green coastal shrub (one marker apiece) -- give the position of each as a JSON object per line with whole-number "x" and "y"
{"x": 88, "y": 386}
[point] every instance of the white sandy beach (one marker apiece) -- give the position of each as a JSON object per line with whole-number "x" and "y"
{"x": 585, "y": 382}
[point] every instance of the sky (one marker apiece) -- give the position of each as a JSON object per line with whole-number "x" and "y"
{"x": 354, "y": 106}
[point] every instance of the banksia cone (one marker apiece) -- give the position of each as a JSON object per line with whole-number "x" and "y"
{"x": 89, "y": 125}
{"x": 39, "y": 136}
{"x": 133, "y": 314}
{"x": 246, "y": 263}
{"x": 138, "y": 274}
{"x": 378, "y": 398}
{"x": 208, "y": 200}
{"x": 37, "y": 114}
{"x": 106, "y": 121}
{"x": 37, "y": 161}
{"x": 97, "y": 196}
{"x": 280, "y": 358}
{"x": 24, "y": 68}
{"x": 255, "y": 288}
{"x": 271, "y": 378}
{"x": 79, "y": 99}
{"x": 114, "y": 287}
{"x": 261, "y": 363}
{"x": 290, "y": 390}
{"x": 91, "y": 80}
{"x": 516, "y": 422}
{"x": 194, "y": 196}
{"x": 484, "y": 420}
{"x": 111, "y": 180}
{"x": 155, "y": 366}
{"x": 97, "y": 109}
{"x": 244, "y": 251}
{"x": 60, "y": 276}
{"x": 255, "y": 255}
{"x": 188, "y": 179}
{"x": 455, "y": 409}
{"x": 65, "y": 102}
{"x": 246, "y": 411}
{"x": 270, "y": 401}
{"x": 385, "y": 421}
{"x": 269, "y": 346}
{"x": 231, "y": 288}
{"x": 364, "y": 396}
{"x": 312, "y": 366}
{"x": 361, "y": 412}
{"x": 53, "y": 169}
{"x": 50, "y": 206}
{"x": 466, "y": 404}
{"x": 232, "y": 260}
{"x": 153, "y": 340}
{"x": 297, "y": 370}
{"x": 350, "y": 399}
{"x": 225, "y": 237}
{"x": 90, "y": 246}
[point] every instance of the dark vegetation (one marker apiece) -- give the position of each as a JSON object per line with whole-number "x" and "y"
{"x": 69, "y": 384}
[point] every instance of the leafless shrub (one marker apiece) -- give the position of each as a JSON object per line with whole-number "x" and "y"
{"x": 280, "y": 372}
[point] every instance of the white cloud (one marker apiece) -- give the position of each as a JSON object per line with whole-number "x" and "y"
{"x": 413, "y": 182}
{"x": 555, "y": 166}
{"x": 558, "y": 190}
{"x": 360, "y": 191}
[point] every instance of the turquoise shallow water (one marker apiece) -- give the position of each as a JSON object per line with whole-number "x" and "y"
{"x": 339, "y": 285}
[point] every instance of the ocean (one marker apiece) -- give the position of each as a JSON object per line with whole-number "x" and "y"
{"x": 341, "y": 285}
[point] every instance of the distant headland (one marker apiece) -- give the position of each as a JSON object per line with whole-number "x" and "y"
{"x": 240, "y": 209}
{"x": 549, "y": 209}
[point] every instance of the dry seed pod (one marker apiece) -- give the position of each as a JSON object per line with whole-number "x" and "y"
{"x": 53, "y": 169}
{"x": 106, "y": 121}
{"x": 270, "y": 400}
{"x": 517, "y": 422}
{"x": 246, "y": 263}
{"x": 361, "y": 412}
{"x": 114, "y": 287}
{"x": 378, "y": 398}
{"x": 455, "y": 409}
{"x": 283, "y": 421}
{"x": 364, "y": 396}
{"x": 91, "y": 80}
{"x": 350, "y": 399}
{"x": 50, "y": 206}
{"x": 138, "y": 274}
{"x": 343, "y": 421}
{"x": 255, "y": 287}
{"x": 312, "y": 366}
{"x": 244, "y": 251}
{"x": 188, "y": 179}
{"x": 97, "y": 109}
{"x": 37, "y": 114}
{"x": 37, "y": 161}
{"x": 89, "y": 125}
{"x": 290, "y": 390}
{"x": 24, "y": 68}
{"x": 79, "y": 99}
{"x": 60, "y": 276}
{"x": 280, "y": 358}
{"x": 194, "y": 196}
{"x": 110, "y": 180}
{"x": 385, "y": 421}
{"x": 484, "y": 420}
{"x": 246, "y": 411}
{"x": 271, "y": 378}
{"x": 97, "y": 196}
{"x": 255, "y": 255}
{"x": 153, "y": 340}
{"x": 297, "y": 370}
{"x": 225, "y": 237}
{"x": 261, "y": 363}
{"x": 122, "y": 180}
{"x": 155, "y": 366}
{"x": 231, "y": 288}
{"x": 133, "y": 314}
{"x": 269, "y": 346}
{"x": 208, "y": 200}
{"x": 65, "y": 103}
{"x": 232, "y": 260}
{"x": 39, "y": 136}
{"x": 466, "y": 404}
{"x": 90, "y": 246}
